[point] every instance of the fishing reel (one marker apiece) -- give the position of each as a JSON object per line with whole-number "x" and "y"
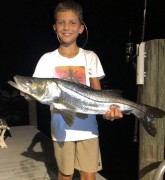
{"x": 136, "y": 56}
{"x": 129, "y": 52}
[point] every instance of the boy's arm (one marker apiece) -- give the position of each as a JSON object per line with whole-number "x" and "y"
{"x": 95, "y": 83}
{"x": 113, "y": 112}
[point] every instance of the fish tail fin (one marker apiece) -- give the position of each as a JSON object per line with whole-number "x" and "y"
{"x": 147, "y": 115}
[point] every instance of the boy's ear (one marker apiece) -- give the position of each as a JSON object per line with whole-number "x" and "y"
{"x": 54, "y": 27}
{"x": 81, "y": 29}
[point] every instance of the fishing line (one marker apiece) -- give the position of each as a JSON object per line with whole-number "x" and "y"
{"x": 86, "y": 29}
{"x": 129, "y": 46}
{"x": 135, "y": 139}
{"x": 144, "y": 19}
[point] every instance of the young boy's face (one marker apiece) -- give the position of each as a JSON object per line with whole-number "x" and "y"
{"x": 68, "y": 26}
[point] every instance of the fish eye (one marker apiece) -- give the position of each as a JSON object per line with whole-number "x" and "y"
{"x": 29, "y": 81}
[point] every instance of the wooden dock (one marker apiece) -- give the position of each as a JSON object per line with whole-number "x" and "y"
{"x": 29, "y": 156}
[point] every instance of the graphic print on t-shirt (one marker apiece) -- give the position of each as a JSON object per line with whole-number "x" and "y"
{"x": 71, "y": 73}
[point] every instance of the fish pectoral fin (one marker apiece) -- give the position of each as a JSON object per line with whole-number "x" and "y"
{"x": 66, "y": 105}
{"x": 68, "y": 117}
{"x": 61, "y": 105}
{"x": 68, "y": 111}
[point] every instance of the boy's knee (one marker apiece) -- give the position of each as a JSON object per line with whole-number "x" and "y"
{"x": 62, "y": 176}
{"x": 87, "y": 175}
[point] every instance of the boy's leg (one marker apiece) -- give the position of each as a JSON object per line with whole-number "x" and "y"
{"x": 65, "y": 157}
{"x": 88, "y": 158}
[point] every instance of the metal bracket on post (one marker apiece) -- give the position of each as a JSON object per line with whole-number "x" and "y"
{"x": 3, "y": 128}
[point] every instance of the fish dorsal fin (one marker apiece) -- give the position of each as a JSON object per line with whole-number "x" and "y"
{"x": 115, "y": 93}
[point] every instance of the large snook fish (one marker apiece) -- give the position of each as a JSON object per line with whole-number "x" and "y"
{"x": 73, "y": 98}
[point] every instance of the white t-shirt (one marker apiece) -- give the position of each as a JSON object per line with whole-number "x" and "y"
{"x": 81, "y": 68}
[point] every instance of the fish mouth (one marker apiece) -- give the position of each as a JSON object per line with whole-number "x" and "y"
{"x": 13, "y": 84}
{"x": 18, "y": 85}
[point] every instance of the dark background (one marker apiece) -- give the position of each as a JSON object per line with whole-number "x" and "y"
{"x": 26, "y": 33}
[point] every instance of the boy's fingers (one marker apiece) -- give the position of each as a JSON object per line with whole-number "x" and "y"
{"x": 113, "y": 113}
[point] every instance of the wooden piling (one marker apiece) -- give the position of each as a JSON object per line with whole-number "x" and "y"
{"x": 151, "y": 149}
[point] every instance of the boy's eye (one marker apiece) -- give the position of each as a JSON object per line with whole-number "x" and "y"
{"x": 72, "y": 22}
{"x": 60, "y": 22}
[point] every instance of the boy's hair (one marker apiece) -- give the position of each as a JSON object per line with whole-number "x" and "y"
{"x": 69, "y": 5}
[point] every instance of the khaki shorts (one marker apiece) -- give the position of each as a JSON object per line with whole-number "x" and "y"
{"x": 81, "y": 155}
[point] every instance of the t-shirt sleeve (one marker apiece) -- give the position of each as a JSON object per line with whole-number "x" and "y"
{"x": 43, "y": 68}
{"x": 95, "y": 68}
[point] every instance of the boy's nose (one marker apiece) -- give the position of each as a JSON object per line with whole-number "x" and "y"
{"x": 66, "y": 26}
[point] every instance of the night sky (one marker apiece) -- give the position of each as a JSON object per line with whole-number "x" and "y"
{"x": 26, "y": 34}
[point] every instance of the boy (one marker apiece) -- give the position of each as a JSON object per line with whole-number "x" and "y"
{"x": 76, "y": 147}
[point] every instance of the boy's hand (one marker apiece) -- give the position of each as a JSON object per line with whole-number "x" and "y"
{"x": 26, "y": 96}
{"x": 113, "y": 113}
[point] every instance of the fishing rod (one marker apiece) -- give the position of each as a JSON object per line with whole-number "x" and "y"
{"x": 130, "y": 58}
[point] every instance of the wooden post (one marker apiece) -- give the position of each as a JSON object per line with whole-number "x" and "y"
{"x": 32, "y": 113}
{"x": 151, "y": 149}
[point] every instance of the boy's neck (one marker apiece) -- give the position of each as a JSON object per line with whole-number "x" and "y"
{"x": 68, "y": 52}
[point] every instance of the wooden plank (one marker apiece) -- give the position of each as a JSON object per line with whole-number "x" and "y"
{"x": 29, "y": 156}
